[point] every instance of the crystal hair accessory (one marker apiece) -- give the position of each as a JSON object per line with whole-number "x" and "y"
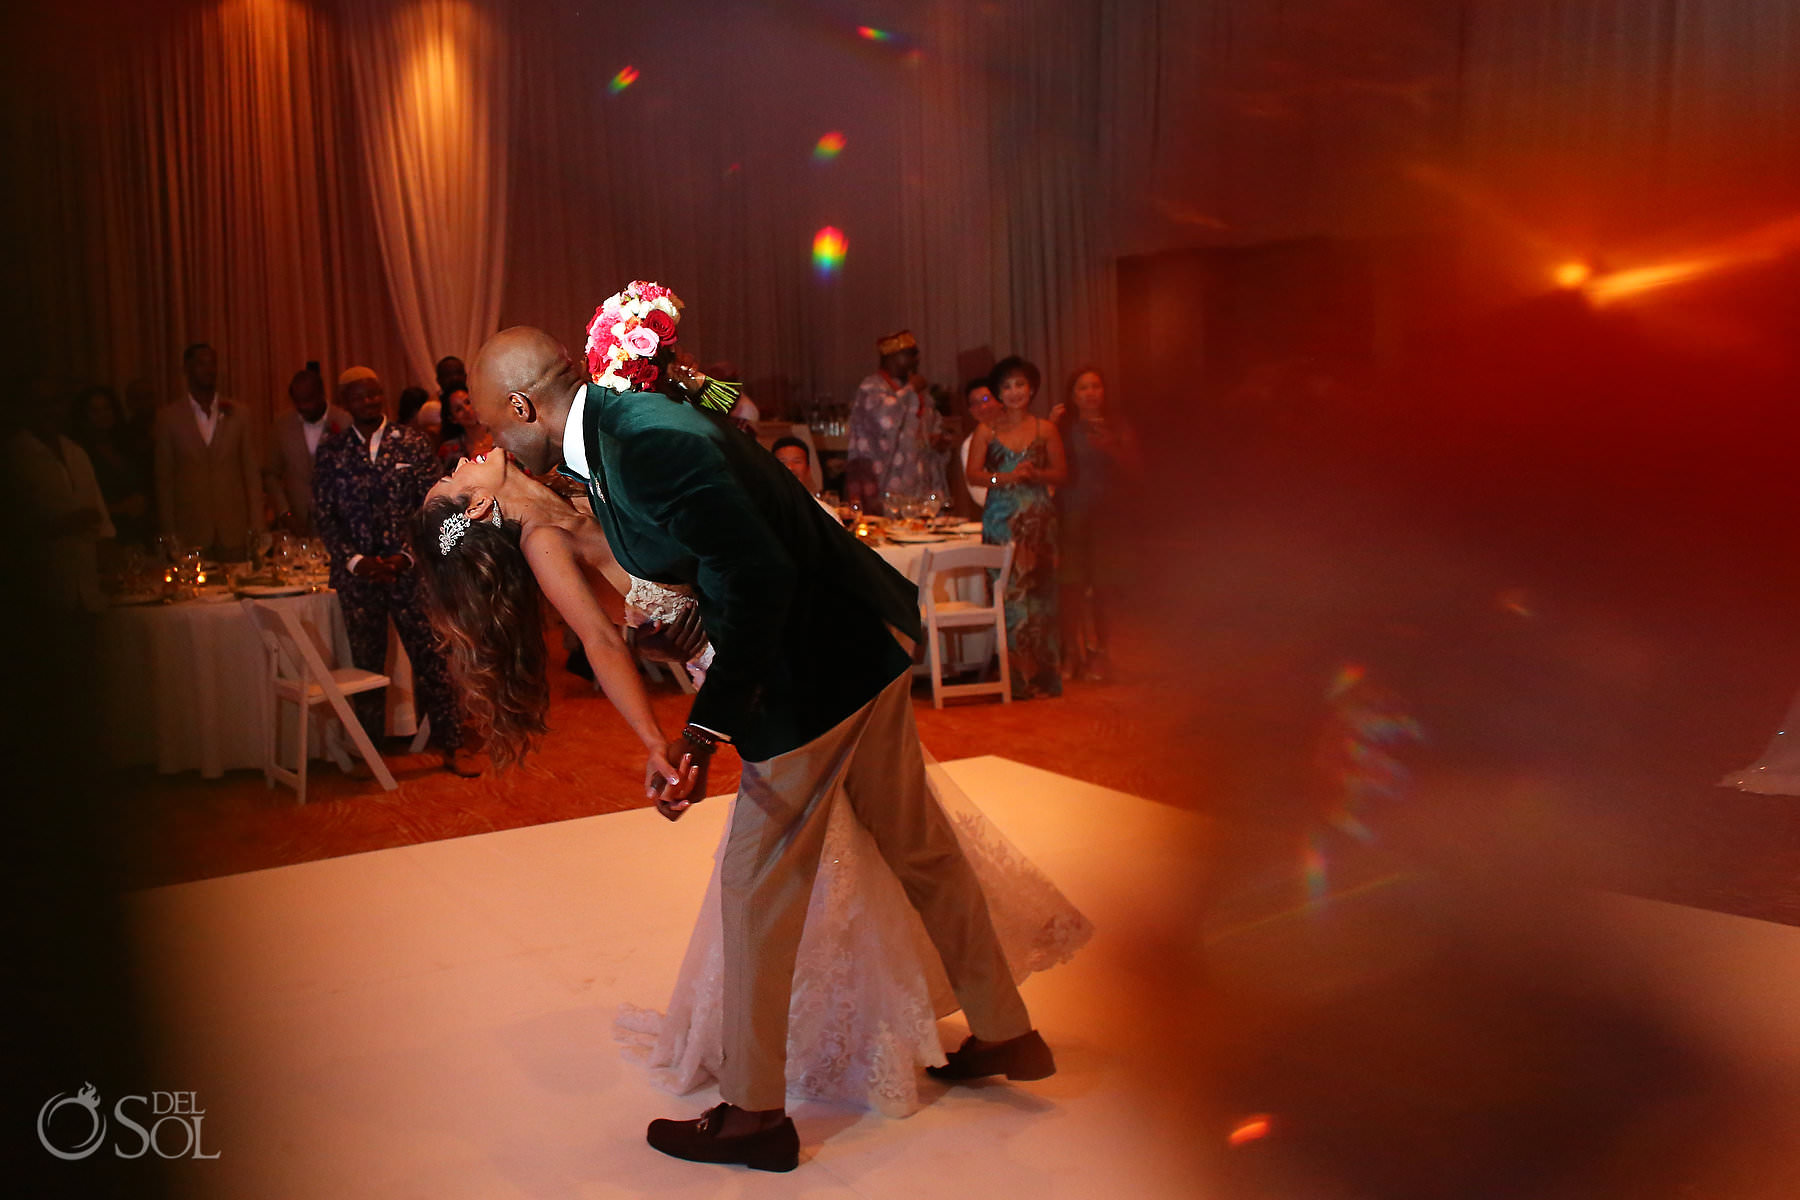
{"x": 457, "y": 524}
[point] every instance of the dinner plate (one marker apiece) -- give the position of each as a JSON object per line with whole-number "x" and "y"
{"x": 918, "y": 538}
{"x": 269, "y": 591}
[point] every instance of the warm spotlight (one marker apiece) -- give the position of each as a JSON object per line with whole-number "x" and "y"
{"x": 1573, "y": 274}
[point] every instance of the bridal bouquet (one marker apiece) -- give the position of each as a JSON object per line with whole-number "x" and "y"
{"x": 628, "y": 332}
{"x": 628, "y": 344}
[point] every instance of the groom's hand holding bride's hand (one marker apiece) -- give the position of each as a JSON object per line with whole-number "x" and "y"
{"x": 676, "y": 789}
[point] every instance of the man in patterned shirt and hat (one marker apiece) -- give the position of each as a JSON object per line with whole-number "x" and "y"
{"x": 369, "y": 480}
{"x": 894, "y": 428}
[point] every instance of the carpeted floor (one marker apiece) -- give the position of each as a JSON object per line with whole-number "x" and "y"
{"x": 181, "y": 827}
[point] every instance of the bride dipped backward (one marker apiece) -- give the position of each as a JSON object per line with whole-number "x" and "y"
{"x": 488, "y": 539}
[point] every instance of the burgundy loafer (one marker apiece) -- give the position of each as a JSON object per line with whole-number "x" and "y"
{"x": 776, "y": 1148}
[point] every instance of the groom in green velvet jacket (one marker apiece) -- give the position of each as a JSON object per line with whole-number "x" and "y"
{"x": 812, "y": 635}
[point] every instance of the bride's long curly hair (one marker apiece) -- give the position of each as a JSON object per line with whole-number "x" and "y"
{"x": 483, "y": 603}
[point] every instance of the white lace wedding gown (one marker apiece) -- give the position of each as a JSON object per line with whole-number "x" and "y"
{"x": 868, "y": 985}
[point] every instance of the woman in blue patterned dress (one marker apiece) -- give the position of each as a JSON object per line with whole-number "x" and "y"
{"x": 1020, "y": 458}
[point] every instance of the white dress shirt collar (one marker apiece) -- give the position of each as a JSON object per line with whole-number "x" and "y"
{"x": 206, "y": 418}
{"x": 374, "y": 439}
{"x": 313, "y": 431}
{"x": 574, "y": 447}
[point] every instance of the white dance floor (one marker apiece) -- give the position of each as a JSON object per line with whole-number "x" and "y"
{"x": 436, "y": 1020}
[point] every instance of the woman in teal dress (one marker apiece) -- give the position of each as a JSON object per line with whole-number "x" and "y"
{"x": 1019, "y": 456}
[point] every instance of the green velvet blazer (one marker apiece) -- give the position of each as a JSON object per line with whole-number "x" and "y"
{"x": 796, "y": 607}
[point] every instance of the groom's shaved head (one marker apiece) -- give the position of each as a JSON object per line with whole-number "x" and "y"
{"x": 521, "y": 386}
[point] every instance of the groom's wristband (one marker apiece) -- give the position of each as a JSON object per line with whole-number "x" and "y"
{"x": 702, "y": 740}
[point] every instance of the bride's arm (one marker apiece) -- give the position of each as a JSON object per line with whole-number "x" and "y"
{"x": 552, "y": 553}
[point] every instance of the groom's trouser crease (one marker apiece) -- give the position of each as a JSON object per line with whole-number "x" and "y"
{"x": 772, "y": 858}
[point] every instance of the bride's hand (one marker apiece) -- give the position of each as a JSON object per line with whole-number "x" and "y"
{"x": 674, "y": 790}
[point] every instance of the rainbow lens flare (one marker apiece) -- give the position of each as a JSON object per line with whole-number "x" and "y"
{"x": 829, "y": 247}
{"x": 829, "y": 146}
{"x": 625, "y": 78}
{"x": 1314, "y": 868}
{"x": 870, "y": 33}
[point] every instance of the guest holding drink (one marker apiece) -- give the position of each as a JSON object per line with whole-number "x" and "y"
{"x": 1102, "y": 452}
{"x": 1019, "y": 459}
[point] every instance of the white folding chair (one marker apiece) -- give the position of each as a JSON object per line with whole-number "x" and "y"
{"x": 298, "y": 675}
{"x": 965, "y": 615}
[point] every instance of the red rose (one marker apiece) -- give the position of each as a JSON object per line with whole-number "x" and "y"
{"x": 640, "y": 371}
{"x": 662, "y": 325}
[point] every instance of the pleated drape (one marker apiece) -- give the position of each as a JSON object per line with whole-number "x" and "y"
{"x": 386, "y": 181}
{"x": 430, "y": 81}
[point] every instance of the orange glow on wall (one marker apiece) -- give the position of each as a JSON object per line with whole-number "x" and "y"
{"x": 1249, "y": 1129}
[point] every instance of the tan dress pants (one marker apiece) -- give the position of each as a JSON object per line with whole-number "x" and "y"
{"x": 772, "y": 856}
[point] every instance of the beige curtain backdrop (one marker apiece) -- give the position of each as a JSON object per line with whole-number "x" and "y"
{"x": 197, "y": 177}
{"x": 386, "y": 180}
{"x": 431, "y": 83}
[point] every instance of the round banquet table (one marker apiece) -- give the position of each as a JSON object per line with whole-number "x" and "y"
{"x": 964, "y": 651}
{"x": 186, "y": 687}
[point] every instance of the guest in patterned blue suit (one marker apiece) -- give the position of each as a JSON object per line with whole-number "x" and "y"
{"x": 369, "y": 481}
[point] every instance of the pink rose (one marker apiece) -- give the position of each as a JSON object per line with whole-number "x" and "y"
{"x": 662, "y": 325}
{"x": 641, "y": 341}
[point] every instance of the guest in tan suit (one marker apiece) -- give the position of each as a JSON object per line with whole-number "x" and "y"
{"x": 293, "y": 447}
{"x": 208, "y": 481}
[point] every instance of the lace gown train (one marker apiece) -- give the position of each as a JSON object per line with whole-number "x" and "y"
{"x": 868, "y": 986}
{"x": 1777, "y": 772}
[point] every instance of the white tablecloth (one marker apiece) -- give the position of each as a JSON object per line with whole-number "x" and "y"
{"x": 963, "y": 651}
{"x": 185, "y": 686}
